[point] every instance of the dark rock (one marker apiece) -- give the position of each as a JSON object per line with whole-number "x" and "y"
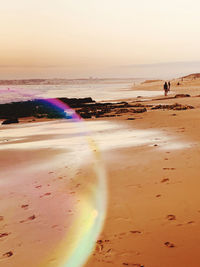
{"x": 182, "y": 95}
{"x": 138, "y": 110}
{"x": 41, "y": 108}
{"x": 138, "y": 105}
{"x": 11, "y": 120}
{"x": 123, "y": 110}
{"x": 157, "y": 107}
{"x": 85, "y": 115}
{"x": 110, "y": 116}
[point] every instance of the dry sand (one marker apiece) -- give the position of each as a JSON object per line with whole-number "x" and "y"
{"x": 153, "y": 216}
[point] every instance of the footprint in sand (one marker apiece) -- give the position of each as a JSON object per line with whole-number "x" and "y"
{"x": 31, "y": 218}
{"x": 171, "y": 217}
{"x": 165, "y": 180}
{"x": 54, "y": 226}
{"x": 158, "y": 195}
{"x": 1, "y": 218}
{"x": 169, "y": 245}
{"x": 191, "y": 222}
{"x": 4, "y": 234}
{"x": 46, "y": 194}
{"x": 135, "y": 232}
{"x": 99, "y": 246}
{"x": 24, "y": 206}
{"x": 121, "y": 234}
{"x": 7, "y": 254}
{"x": 169, "y": 169}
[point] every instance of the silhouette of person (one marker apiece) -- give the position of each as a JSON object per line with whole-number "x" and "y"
{"x": 169, "y": 85}
{"x": 165, "y": 87}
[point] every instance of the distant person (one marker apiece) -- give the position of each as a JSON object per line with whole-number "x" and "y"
{"x": 165, "y": 87}
{"x": 169, "y": 86}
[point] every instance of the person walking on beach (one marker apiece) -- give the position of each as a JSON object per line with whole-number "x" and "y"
{"x": 169, "y": 85}
{"x": 165, "y": 87}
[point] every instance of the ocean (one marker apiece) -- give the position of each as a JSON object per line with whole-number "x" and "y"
{"x": 104, "y": 90}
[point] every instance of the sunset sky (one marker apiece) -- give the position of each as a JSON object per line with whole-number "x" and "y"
{"x": 104, "y": 38}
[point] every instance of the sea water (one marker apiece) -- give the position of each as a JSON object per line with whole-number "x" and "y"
{"x": 107, "y": 90}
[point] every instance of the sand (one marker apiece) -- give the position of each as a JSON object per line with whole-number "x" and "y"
{"x": 153, "y": 213}
{"x": 153, "y": 210}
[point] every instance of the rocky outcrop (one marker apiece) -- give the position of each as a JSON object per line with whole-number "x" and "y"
{"x": 40, "y": 108}
{"x": 175, "y": 106}
{"x": 11, "y": 120}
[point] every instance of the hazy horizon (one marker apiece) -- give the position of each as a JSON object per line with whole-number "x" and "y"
{"x": 167, "y": 70}
{"x": 115, "y": 38}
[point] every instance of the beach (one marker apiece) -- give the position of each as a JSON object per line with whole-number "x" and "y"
{"x": 152, "y": 211}
{"x": 153, "y": 215}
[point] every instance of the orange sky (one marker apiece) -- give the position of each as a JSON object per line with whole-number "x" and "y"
{"x": 76, "y": 38}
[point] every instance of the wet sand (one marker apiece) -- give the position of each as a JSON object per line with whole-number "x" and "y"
{"x": 152, "y": 163}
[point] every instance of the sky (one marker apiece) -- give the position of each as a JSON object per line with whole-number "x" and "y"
{"x": 98, "y": 38}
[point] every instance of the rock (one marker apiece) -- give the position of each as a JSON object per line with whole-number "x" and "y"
{"x": 11, "y": 120}
{"x": 175, "y": 106}
{"x": 157, "y": 107}
{"x": 41, "y": 108}
{"x": 110, "y": 116}
{"x": 85, "y": 115}
{"x": 122, "y": 110}
{"x": 138, "y": 105}
{"x": 138, "y": 110}
{"x": 182, "y": 95}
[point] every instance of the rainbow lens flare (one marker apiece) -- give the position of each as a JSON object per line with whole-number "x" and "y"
{"x": 54, "y": 190}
